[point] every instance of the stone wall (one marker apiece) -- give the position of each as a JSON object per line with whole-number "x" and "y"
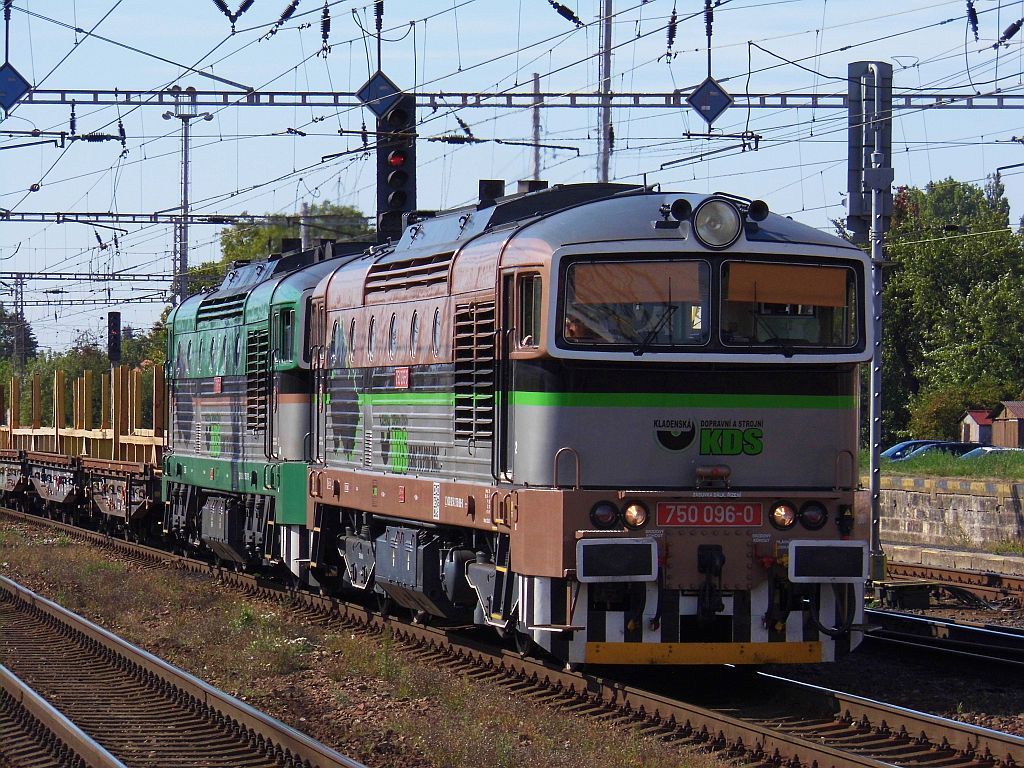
{"x": 963, "y": 514}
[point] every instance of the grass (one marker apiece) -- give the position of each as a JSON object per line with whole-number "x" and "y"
{"x": 996, "y": 466}
{"x": 1014, "y": 547}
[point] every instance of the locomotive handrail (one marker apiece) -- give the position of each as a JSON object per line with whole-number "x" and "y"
{"x": 554, "y": 476}
{"x": 268, "y": 384}
{"x": 319, "y": 377}
{"x": 316, "y": 484}
{"x": 503, "y": 518}
{"x": 499, "y": 452}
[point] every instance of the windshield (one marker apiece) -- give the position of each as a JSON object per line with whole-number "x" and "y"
{"x": 788, "y": 305}
{"x": 637, "y": 303}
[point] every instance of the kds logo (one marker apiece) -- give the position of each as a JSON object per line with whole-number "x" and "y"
{"x": 731, "y": 441}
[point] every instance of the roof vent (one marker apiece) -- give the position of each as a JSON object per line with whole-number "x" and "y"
{"x": 490, "y": 190}
{"x": 531, "y": 185}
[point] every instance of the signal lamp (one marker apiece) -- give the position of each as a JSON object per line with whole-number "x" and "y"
{"x": 635, "y": 514}
{"x": 604, "y": 515}
{"x": 396, "y": 167}
{"x": 813, "y": 515}
{"x": 757, "y": 210}
{"x": 783, "y": 515}
{"x": 681, "y": 209}
{"x": 114, "y": 337}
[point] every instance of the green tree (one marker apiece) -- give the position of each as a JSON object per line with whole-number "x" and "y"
{"x": 937, "y": 411}
{"x": 9, "y": 323}
{"x": 252, "y": 242}
{"x": 953, "y": 305}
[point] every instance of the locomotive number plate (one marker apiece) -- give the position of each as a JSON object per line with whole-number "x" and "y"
{"x": 708, "y": 514}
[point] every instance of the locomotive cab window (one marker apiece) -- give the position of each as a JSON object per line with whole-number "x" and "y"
{"x": 788, "y": 304}
{"x": 287, "y": 346}
{"x": 528, "y": 320}
{"x": 642, "y": 304}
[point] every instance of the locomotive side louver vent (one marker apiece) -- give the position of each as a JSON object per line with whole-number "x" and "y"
{"x": 220, "y": 308}
{"x": 474, "y": 371}
{"x": 386, "y": 277}
{"x": 256, "y": 353}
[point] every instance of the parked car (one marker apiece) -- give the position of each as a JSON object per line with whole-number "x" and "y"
{"x": 952, "y": 448}
{"x": 900, "y": 450}
{"x": 985, "y": 450}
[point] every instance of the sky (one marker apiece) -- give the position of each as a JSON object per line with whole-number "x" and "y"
{"x": 272, "y": 159}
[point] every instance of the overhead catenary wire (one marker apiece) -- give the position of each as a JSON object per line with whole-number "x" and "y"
{"x": 271, "y": 180}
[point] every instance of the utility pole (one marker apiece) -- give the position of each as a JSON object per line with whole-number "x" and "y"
{"x": 184, "y": 110}
{"x": 20, "y": 352}
{"x": 605, "y": 141}
{"x": 536, "y": 126}
{"x": 304, "y": 233}
{"x": 869, "y": 195}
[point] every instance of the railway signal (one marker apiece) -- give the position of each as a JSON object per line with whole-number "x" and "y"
{"x": 114, "y": 337}
{"x": 396, "y": 167}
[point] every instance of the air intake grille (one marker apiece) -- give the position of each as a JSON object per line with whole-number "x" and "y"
{"x": 474, "y": 371}
{"x": 256, "y": 353}
{"x": 398, "y": 275}
{"x": 221, "y": 308}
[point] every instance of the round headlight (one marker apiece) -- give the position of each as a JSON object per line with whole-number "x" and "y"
{"x": 635, "y": 515}
{"x": 604, "y": 514}
{"x": 813, "y": 515}
{"x": 783, "y": 515}
{"x": 717, "y": 223}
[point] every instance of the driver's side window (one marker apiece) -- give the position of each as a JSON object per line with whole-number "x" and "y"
{"x": 529, "y": 310}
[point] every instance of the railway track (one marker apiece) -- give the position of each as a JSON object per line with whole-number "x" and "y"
{"x": 772, "y": 722}
{"x": 987, "y": 585}
{"x": 987, "y": 642}
{"x": 141, "y": 709}
{"x": 35, "y": 735}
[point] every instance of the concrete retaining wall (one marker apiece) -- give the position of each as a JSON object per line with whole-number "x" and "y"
{"x": 961, "y": 514}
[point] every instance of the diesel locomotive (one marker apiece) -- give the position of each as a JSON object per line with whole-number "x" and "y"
{"x": 612, "y": 422}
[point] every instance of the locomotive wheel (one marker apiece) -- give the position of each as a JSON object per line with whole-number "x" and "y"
{"x": 385, "y": 605}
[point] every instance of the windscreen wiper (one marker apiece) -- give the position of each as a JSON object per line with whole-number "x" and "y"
{"x": 640, "y": 348}
{"x": 783, "y": 345}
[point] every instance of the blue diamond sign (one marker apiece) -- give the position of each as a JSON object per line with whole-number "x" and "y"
{"x": 379, "y": 94}
{"x": 710, "y": 100}
{"x": 12, "y": 86}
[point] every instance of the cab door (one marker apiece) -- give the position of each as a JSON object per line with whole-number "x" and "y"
{"x": 518, "y": 337}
